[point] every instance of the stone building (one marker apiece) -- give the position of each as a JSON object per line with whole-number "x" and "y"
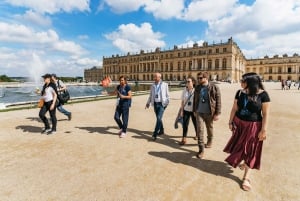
{"x": 94, "y": 74}
{"x": 276, "y": 68}
{"x": 223, "y": 61}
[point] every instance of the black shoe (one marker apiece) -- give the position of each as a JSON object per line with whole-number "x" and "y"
{"x": 161, "y": 132}
{"x": 51, "y": 132}
{"x": 70, "y": 116}
{"x": 153, "y": 137}
{"x": 46, "y": 130}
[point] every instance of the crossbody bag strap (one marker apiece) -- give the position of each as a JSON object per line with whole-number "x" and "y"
{"x": 189, "y": 97}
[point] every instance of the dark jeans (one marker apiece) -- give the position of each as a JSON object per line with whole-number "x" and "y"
{"x": 43, "y": 117}
{"x": 159, "y": 111}
{"x": 186, "y": 119}
{"x": 122, "y": 110}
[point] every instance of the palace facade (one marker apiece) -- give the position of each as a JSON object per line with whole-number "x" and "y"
{"x": 223, "y": 61}
{"x": 276, "y": 68}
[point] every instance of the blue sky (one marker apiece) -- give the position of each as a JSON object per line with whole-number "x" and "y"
{"x": 66, "y": 37}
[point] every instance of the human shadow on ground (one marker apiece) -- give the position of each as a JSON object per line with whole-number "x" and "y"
{"x": 139, "y": 134}
{"x": 30, "y": 129}
{"x": 217, "y": 168}
{"x": 100, "y": 130}
{"x": 187, "y": 157}
{"x": 34, "y": 119}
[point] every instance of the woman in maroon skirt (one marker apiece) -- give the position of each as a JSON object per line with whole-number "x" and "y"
{"x": 248, "y": 123}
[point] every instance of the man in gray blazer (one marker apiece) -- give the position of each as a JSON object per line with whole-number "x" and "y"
{"x": 159, "y": 99}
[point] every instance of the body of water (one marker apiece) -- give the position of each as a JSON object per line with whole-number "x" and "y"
{"x": 26, "y": 92}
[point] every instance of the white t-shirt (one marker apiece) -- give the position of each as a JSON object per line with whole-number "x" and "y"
{"x": 189, "y": 101}
{"x": 48, "y": 94}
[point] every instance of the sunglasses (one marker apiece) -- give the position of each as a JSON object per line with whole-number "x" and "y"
{"x": 200, "y": 78}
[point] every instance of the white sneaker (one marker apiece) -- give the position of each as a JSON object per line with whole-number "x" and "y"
{"x": 122, "y": 135}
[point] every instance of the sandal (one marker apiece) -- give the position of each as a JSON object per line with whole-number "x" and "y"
{"x": 183, "y": 142}
{"x": 242, "y": 166}
{"x": 246, "y": 186}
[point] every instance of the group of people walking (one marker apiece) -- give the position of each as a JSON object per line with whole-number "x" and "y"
{"x": 201, "y": 102}
{"x": 51, "y": 89}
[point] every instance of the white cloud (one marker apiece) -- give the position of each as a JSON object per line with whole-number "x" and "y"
{"x": 123, "y": 6}
{"x": 266, "y": 27}
{"x": 34, "y": 18}
{"x": 207, "y": 9}
{"x": 165, "y": 9}
{"x": 22, "y": 35}
{"x": 131, "y": 38}
{"x": 52, "y": 6}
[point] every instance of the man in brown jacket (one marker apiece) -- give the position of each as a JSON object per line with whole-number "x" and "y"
{"x": 207, "y": 107}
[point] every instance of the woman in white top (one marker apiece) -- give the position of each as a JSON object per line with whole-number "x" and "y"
{"x": 49, "y": 94}
{"x": 187, "y": 108}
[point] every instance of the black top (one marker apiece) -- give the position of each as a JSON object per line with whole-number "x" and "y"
{"x": 249, "y": 108}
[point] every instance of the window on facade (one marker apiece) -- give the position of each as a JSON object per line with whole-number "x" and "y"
{"x": 224, "y": 63}
{"x": 190, "y": 65}
{"x": 178, "y": 54}
{"x": 184, "y": 54}
{"x": 209, "y": 64}
{"x": 270, "y": 70}
{"x": 289, "y": 69}
{"x": 209, "y": 51}
{"x": 191, "y": 53}
{"x": 179, "y": 65}
{"x": 217, "y": 50}
{"x": 279, "y": 70}
{"x": 167, "y": 56}
{"x": 224, "y": 49}
{"x": 217, "y": 64}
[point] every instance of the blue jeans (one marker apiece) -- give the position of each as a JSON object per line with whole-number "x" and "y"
{"x": 62, "y": 110}
{"x": 122, "y": 110}
{"x": 159, "y": 111}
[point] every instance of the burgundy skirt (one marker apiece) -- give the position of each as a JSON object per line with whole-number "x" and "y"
{"x": 244, "y": 144}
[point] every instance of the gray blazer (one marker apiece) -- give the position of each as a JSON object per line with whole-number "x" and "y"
{"x": 164, "y": 94}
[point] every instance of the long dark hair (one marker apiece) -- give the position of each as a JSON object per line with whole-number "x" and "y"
{"x": 254, "y": 83}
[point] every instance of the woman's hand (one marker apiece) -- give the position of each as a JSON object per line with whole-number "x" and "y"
{"x": 262, "y": 135}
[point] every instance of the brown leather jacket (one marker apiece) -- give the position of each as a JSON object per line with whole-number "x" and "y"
{"x": 214, "y": 98}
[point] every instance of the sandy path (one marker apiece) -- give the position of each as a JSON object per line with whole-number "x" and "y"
{"x": 86, "y": 160}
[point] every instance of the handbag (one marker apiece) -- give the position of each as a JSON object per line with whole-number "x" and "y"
{"x": 41, "y": 103}
{"x": 64, "y": 97}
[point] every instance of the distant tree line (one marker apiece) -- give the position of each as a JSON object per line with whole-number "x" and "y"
{"x": 4, "y": 78}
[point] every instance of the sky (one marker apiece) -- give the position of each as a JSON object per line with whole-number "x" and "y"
{"x": 66, "y": 37}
